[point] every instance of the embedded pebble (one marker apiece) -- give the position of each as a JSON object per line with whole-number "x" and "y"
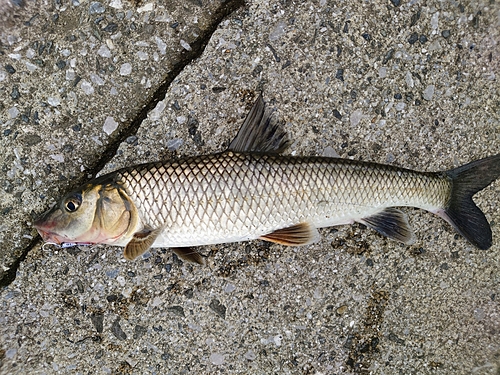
{"x": 435, "y": 20}
{"x": 409, "y": 80}
{"x": 356, "y": 117}
{"x": 278, "y": 31}
{"x": 428, "y": 92}
{"x": 70, "y": 75}
{"x": 110, "y": 125}
{"x": 142, "y": 55}
{"x": 479, "y": 314}
{"x": 58, "y": 157}
{"x": 250, "y": 355}
{"x": 125, "y": 69}
{"x": 229, "y": 288}
{"x": 96, "y": 79}
{"x": 185, "y": 45}
{"x": 54, "y": 102}
{"x": 145, "y": 8}
{"x": 96, "y": 8}
{"x": 174, "y": 144}
{"x": 162, "y": 46}
{"x": 117, "y": 4}
{"x": 87, "y": 87}
{"x": 10, "y": 69}
{"x": 217, "y": 359}
{"x": 330, "y": 152}
{"x": 10, "y": 353}
{"x": 117, "y": 330}
{"x": 13, "y": 112}
{"x": 15, "y": 93}
{"x": 104, "y": 51}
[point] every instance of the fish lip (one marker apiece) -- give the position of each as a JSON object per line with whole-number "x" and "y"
{"x": 49, "y": 236}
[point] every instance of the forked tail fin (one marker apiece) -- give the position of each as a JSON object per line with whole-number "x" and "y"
{"x": 461, "y": 211}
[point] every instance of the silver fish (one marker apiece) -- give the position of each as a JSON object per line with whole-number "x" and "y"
{"x": 251, "y": 191}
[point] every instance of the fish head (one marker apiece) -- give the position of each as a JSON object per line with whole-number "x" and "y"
{"x": 94, "y": 213}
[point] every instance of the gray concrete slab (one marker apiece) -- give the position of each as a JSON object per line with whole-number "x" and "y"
{"x": 76, "y": 80}
{"x": 414, "y": 85}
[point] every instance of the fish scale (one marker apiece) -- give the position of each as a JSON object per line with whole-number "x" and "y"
{"x": 235, "y": 196}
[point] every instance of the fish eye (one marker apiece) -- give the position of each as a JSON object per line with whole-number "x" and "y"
{"x": 72, "y": 203}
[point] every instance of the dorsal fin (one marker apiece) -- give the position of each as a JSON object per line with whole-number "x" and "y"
{"x": 259, "y": 133}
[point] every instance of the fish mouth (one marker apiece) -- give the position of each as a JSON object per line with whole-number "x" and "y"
{"x": 50, "y": 237}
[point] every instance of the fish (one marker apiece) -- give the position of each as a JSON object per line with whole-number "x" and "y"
{"x": 253, "y": 191}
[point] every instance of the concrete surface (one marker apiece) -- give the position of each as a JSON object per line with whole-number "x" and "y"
{"x": 412, "y": 84}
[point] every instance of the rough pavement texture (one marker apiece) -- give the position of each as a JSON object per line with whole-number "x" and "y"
{"x": 408, "y": 83}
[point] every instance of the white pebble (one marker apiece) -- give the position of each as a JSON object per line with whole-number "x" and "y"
{"x": 58, "y": 157}
{"x": 174, "y": 144}
{"x": 96, "y": 79}
{"x": 142, "y": 55}
{"x": 229, "y": 288}
{"x": 146, "y": 8}
{"x": 157, "y": 301}
{"x": 409, "y": 80}
{"x": 13, "y": 112}
{"x": 125, "y": 69}
{"x": 70, "y": 75}
{"x": 117, "y": 4}
{"x": 278, "y": 31}
{"x": 330, "y": 152}
{"x": 400, "y": 106}
{"x": 87, "y": 88}
{"x": 110, "y": 125}
{"x": 428, "y": 92}
{"x": 277, "y": 340}
{"x": 10, "y": 353}
{"x": 185, "y": 45}
{"x": 121, "y": 280}
{"x": 217, "y": 359}
{"x": 162, "y": 46}
{"x": 54, "y": 102}
{"x": 31, "y": 67}
{"x": 104, "y": 51}
{"x": 356, "y": 117}
{"x": 435, "y": 20}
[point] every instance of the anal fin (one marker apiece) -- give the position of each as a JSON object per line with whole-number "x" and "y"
{"x": 140, "y": 243}
{"x": 296, "y": 235}
{"x": 188, "y": 254}
{"x": 391, "y": 223}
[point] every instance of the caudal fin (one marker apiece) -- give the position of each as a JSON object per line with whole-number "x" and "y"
{"x": 461, "y": 211}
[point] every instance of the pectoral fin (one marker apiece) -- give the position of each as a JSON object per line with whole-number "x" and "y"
{"x": 296, "y": 235}
{"x": 391, "y": 223}
{"x": 140, "y": 243}
{"x": 189, "y": 254}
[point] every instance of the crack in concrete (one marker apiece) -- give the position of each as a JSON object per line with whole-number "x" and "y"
{"x": 197, "y": 48}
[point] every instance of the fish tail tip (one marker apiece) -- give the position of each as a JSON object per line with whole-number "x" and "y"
{"x": 461, "y": 211}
